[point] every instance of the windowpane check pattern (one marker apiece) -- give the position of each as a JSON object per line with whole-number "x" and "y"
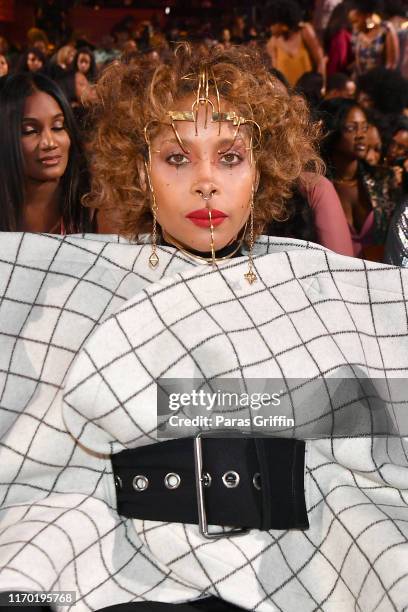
{"x": 86, "y": 330}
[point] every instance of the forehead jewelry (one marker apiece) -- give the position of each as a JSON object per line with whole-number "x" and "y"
{"x": 205, "y": 80}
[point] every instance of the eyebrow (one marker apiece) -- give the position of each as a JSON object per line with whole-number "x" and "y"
{"x": 220, "y": 144}
{"x": 57, "y": 116}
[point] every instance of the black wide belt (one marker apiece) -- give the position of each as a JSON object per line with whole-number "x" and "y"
{"x": 242, "y": 482}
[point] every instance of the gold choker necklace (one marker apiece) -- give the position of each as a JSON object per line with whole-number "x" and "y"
{"x": 200, "y": 258}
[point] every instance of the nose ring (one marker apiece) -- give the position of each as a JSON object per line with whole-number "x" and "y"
{"x": 206, "y": 196}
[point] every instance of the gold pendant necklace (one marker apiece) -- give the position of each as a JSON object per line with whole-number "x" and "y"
{"x": 346, "y": 181}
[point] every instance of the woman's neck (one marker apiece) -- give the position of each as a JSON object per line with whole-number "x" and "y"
{"x": 41, "y": 211}
{"x": 230, "y": 250}
{"x": 344, "y": 168}
{"x": 289, "y": 34}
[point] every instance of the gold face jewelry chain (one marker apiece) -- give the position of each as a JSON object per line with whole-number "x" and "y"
{"x": 212, "y": 240}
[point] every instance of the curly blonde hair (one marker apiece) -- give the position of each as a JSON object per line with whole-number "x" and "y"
{"x": 129, "y": 96}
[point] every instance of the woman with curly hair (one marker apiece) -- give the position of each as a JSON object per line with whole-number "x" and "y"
{"x": 197, "y": 157}
{"x": 260, "y": 134}
{"x": 283, "y": 171}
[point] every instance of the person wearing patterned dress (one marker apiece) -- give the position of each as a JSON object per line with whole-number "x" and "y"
{"x": 375, "y": 42}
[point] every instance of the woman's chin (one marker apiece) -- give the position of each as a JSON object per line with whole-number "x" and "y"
{"x": 204, "y": 245}
{"x": 201, "y": 244}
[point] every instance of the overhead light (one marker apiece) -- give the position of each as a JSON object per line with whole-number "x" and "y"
{"x": 167, "y": 10}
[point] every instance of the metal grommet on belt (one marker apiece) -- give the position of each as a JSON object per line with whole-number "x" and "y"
{"x": 118, "y": 482}
{"x": 172, "y": 480}
{"x": 140, "y": 483}
{"x": 257, "y": 481}
{"x": 231, "y": 479}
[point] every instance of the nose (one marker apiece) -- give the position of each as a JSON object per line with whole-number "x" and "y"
{"x": 47, "y": 140}
{"x": 361, "y": 135}
{"x": 204, "y": 184}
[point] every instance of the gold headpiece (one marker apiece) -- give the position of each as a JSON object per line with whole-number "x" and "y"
{"x": 206, "y": 80}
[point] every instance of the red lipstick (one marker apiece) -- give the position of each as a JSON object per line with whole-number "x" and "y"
{"x": 202, "y": 218}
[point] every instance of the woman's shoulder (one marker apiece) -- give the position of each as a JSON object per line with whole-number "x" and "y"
{"x": 387, "y": 26}
{"x": 311, "y": 182}
{"x": 307, "y": 30}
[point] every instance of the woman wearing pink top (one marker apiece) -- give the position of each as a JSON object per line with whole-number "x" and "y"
{"x": 315, "y": 214}
{"x": 330, "y": 221}
{"x": 365, "y": 192}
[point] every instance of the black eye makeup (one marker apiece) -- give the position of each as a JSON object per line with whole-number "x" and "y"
{"x": 231, "y": 158}
{"x": 177, "y": 159}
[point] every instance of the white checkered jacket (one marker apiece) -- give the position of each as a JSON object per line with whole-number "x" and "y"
{"x": 87, "y": 328}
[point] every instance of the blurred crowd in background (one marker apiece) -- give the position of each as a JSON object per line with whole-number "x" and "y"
{"x": 348, "y": 58}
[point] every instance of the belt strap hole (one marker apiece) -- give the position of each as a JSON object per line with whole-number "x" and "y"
{"x": 231, "y": 479}
{"x": 257, "y": 481}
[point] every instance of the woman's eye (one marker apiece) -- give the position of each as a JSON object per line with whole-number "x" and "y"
{"x": 177, "y": 159}
{"x": 26, "y": 131}
{"x": 231, "y": 159}
{"x": 58, "y": 127}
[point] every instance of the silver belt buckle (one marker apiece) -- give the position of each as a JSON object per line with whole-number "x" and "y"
{"x": 202, "y": 515}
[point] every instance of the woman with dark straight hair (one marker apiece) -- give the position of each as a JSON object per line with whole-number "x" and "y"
{"x": 84, "y": 62}
{"x": 32, "y": 60}
{"x": 43, "y": 174}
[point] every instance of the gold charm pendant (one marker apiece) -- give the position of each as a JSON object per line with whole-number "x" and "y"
{"x": 153, "y": 260}
{"x": 250, "y": 276}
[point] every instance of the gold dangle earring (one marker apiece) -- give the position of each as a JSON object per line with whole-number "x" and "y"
{"x": 250, "y": 276}
{"x": 154, "y": 258}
